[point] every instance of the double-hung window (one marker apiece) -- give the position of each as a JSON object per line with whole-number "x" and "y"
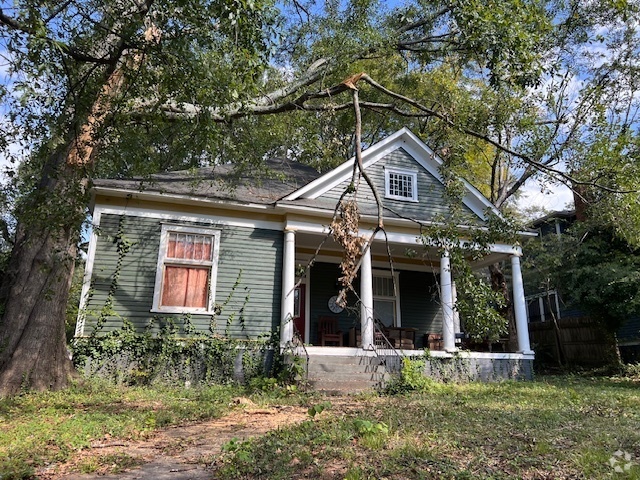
{"x": 385, "y": 299}
{"x": 186, "y": 274}
{"x": 401, "y": 184}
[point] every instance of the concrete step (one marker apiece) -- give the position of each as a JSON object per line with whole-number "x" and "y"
{"x": 343, "y": 374}
{"x": 336, "y": 368}
{"x": 347, "y": 377}
{"x": 343, "y": 360}
{"x": 342, "y": 388}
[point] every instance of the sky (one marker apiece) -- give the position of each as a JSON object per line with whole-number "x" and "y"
{"x": 559, "y": 197}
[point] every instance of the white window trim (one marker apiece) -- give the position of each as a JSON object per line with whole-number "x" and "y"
{"x": 162, "y": 251}
{"x": 396, "y": 280}
{"x": 400, "y": 171}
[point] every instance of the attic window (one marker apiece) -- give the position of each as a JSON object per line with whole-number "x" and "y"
{"x": 401, "y": 184}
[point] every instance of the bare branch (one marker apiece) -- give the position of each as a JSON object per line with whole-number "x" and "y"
{"x": 57, "y": 11}
{"x": 364, "y": 174}
{"x": 424, "y": 21}
{"x": 444, "y": 38}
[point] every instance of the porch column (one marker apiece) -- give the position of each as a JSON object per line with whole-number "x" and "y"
{"x": 446, "y": 297}
{"x": 520, "y": 307}
{"x": 288, "y": 284}
{"x": 366, "y": 298}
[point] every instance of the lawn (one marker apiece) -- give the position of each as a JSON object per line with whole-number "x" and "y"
{"x": 555, "y": 427}
{"x": 40, "y": 429}
{"x": 560, "y": 427}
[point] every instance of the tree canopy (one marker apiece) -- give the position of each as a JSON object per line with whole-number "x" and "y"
{"x": 505, "y": 91}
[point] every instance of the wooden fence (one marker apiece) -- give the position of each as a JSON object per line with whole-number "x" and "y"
{"x": 578, "y": 341}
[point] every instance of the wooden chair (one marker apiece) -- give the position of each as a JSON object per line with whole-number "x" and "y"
{"x": 433, "y": 341}
{"x": 328, "y": 331}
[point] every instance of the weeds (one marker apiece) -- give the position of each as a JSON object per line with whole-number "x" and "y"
{"x": 73, "y": 419}
{"x": 565, "y": 427}
{"x": 411, "y": 378}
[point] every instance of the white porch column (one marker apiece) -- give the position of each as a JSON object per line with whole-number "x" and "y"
{"x": 446, "y": 297}
{"x": 366, "y": 297}
{"x": 288, "y": 284}
{"x": 520, "y": 307}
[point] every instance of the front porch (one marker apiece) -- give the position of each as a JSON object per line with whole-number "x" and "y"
{"x": 414, "y": 305}
{"x": 351, "y": 370}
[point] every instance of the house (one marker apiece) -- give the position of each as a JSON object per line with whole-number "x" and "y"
{"x": 563, "y": 332}
{"x": 179, "y": 244}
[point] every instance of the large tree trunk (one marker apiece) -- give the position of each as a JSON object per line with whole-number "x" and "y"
{"x": 35, "y": 289}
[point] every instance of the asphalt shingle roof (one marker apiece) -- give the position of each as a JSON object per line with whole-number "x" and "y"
{"x": 223, "y": 182}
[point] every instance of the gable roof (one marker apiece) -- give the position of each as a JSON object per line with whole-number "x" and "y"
{"x": 297, "y": 185}
{"x": 220, "y": 182}
{"x": 410, "y": 143}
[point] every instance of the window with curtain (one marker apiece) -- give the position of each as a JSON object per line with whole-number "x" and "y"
{"x": 187, "y": 261}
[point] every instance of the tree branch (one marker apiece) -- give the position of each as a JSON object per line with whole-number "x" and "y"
{"x": 358, "y": 135}
{"x": 73, "y": 52}
{"x": 268, "y": 104}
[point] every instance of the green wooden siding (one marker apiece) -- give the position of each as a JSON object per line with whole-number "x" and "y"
{"x": 419, "y": 304}
{"x": 430, "y": 191}
{"x": 250, "y": 259}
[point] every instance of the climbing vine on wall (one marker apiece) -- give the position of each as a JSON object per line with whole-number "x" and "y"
{"x": 171, "y": 349}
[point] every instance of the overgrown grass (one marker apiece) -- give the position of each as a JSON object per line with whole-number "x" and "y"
{"x": 556, "y": 427}
{"x": 561, "y": 427}
{"x": 39, "y": 429}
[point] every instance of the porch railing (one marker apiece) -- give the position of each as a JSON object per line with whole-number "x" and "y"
{"x": 386, "y": 353}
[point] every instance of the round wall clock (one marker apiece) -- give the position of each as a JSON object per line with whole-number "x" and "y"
{"x": 333, "y": 305}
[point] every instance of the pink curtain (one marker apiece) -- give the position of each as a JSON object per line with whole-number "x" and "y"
{"x": 185, "y": 286}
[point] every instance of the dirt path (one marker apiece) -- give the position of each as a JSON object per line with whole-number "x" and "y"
{"x": 178, "y": 452}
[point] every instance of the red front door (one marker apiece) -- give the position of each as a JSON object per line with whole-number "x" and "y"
{"x": 298, "y": 310}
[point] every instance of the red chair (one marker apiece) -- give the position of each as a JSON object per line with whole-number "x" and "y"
{"x": 328, "y": 331}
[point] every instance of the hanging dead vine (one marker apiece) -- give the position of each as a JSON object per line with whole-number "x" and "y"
{"x": 344, "y": 230}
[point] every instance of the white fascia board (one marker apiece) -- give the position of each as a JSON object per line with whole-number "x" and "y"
{"x": 394, "y": 237}
{"x": 179, "y": 199}
{"x": 327, "y": 215}
{"x": 162, "y": 214}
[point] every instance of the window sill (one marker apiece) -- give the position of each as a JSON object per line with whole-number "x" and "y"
{"x": 183, "y": 311}
{"x": 402, "y": 199}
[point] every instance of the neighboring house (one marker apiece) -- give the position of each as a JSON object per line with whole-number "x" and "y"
{"x": 578, "y": 339}
{"x": 182, "y": 245}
